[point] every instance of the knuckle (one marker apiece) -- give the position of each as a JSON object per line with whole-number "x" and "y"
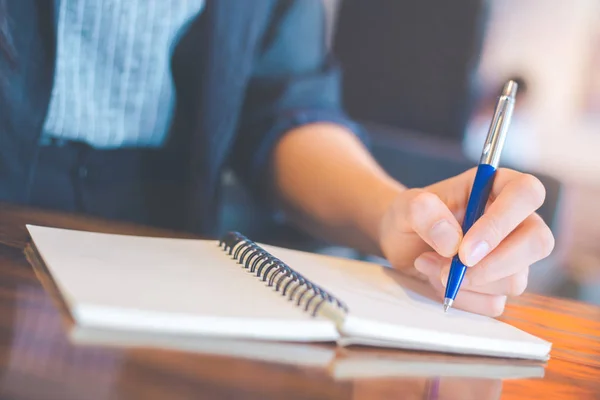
{"x": 494, "y": 231}
{"x": 536, "y": 192}
{"x": 497, "y": 306}
{"x": 507, "y": 173}
{"x": 544, "y": 240}
{"x": 479, "y": 275}
{"x": 518, "y": 284}
{"x": 420, "y": 204}
{"x": 423, "y": 198}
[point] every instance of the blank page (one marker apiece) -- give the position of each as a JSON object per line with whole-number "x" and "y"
{"x": 180, "y": 286}
{"x": 390, "y": 310}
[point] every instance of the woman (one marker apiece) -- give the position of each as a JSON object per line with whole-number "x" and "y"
{"x": 132, "y": 110}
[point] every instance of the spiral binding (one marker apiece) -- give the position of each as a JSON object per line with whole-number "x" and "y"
{"x": 278, "y": 275}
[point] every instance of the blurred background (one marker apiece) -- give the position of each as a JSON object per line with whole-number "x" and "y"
{"x": 423, "y": 76}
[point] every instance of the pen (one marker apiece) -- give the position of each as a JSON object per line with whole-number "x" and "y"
{"x": 484, "y": 180}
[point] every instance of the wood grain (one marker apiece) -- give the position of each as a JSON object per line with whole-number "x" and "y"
{"x": 38, "y": 360}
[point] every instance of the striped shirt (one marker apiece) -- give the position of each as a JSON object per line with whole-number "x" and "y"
{"x": 113, "y": 85}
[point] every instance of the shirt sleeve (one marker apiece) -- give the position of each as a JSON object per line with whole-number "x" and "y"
{"x": 295, "y": 82}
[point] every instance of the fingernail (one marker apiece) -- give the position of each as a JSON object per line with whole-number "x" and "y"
{"x": 426, "y": 265}
{"x": 445, "y": 237}
{"x": 444, "y": 277}
{"x": 480, "y": 250}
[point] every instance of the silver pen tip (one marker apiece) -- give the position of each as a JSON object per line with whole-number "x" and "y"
{"x": 447, "y": 304}
{"x": 510, "y": 89}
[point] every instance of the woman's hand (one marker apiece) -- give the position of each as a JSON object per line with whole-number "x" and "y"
{"x": 421, "y": 230}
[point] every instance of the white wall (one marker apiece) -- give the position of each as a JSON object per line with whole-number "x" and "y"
{"x": 550, "y": 40}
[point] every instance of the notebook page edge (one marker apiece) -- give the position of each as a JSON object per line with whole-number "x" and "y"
{"x": 64, "y": 302}
{"x": 358, "y": 331}
{"x": 157, "y": 322}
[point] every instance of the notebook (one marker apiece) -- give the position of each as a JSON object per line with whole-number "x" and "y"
{"x": 235, "y": 288}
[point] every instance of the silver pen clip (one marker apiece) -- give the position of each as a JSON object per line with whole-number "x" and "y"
{"x": 499, "y": 126}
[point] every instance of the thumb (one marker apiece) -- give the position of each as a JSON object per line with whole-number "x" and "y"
{"x": 433, "y": 221}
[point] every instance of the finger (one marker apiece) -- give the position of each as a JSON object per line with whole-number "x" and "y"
{"x": 455, "y": 191}
{"x": 513, "y": 285}
{"x": 431, "y": 264}
{"x": 488, "y": 300}
{"x": 504, "y": 176}
{"x": 519, "y": 198}
{"x": 529, "y": 243}
{"x": 479, "y": 303}
{"x": 431, "y": 219}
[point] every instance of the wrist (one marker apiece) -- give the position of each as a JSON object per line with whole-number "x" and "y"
{"x": 382, "y": 196}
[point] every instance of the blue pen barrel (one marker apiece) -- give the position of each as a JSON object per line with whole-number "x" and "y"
{"x": 482, "y": 186}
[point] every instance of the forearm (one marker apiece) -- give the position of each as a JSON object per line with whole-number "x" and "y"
{"x": 329, "y": 184}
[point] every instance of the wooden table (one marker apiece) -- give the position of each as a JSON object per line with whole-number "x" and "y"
{"x": 38, "y": 361}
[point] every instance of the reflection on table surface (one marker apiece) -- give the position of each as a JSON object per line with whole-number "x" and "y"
{"x": 45, "y": 360}
{"x": 43, "y": 356}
